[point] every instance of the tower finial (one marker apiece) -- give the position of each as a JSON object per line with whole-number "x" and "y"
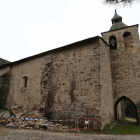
{"x": 117, "y": 22}
{"x": 116, "y": 11}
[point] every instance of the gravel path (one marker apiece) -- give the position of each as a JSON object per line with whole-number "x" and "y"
{"x": 17, "y": 134}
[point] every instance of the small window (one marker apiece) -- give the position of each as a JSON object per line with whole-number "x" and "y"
{"x": 126, "y": 34}
{"x": 113, "y": 42}
{"x": 117, "y": 20}
{"x": 24, "y": 81}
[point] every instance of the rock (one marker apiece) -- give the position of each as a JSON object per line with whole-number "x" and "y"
{"x": 10, "y": 120}
{"x": 31, "y": 128}
{"x": 5, "y": 115}
{"x": 50, "y": 128}
{"x": 31, "y": 123}
{"x": 2, "y": 113}
{"x": 45, "y": 126}
{"x": 19, "y": 120}
{"x": 2, "y": 121}
{"x": 36, "y": 126}
{"x": 39, "y": 123}
{"x": 12, "y": 125}
{"x": 22, "y": 126}
{"x": 34, "y": 114}
{"x": 17, "y": 111}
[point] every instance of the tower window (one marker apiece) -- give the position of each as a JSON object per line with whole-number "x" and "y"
{"x": 126, "y": 34}
{"x": 117, "y": 20}
{"x": 113, "y": 42}
{"x": 24, "y": 81}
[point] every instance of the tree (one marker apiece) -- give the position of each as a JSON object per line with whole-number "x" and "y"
{"x": 120, "y": 1}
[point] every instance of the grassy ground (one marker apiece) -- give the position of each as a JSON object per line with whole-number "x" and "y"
{"x": 131, "y": 119}
{"x": 105, "y": 131}
{"x": 126, "y": 129}
{"x": 128, "y": 119}
{"x": 122, "y": 129}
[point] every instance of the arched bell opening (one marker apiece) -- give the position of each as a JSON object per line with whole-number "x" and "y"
{"x": 113, "y": 42}
{"x": 126, "y": 34}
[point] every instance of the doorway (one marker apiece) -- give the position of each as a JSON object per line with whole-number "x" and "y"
{"x": 126, "y": 110}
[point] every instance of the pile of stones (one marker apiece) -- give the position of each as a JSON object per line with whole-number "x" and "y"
{"x": 24, "y": 120}
{"x": 4, "y": 116}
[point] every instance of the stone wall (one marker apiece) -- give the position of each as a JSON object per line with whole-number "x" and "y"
{"x": 30, "y": 96}
{"x": 65, "y": 83}
{"x": 47, "y": 89}
{"x": 106, "y": 85}
{"x": 76, "y": 82}
{"x": 125, "y": 65}
{"x": 120, "y": 110}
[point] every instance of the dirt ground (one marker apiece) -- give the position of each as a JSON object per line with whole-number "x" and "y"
{"x": 22, "y": 134}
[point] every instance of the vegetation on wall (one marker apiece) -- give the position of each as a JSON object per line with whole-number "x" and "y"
{"x": 4, "y": 89}
{"x": 3, "y": 62}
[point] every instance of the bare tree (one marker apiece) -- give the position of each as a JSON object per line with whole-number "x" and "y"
{"x": 125, "y": 2}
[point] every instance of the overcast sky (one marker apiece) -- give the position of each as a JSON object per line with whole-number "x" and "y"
{"x": 29, "y": 27}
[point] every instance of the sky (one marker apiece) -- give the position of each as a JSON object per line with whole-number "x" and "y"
{"x": 29, "y": 27}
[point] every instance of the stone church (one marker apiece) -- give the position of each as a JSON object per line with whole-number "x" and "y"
{"x": 89, "y": 78}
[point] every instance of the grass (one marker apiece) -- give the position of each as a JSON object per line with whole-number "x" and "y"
{"x": 126, "y": 129}
{"x": 128, "y": 119}
{"x": 105, "y": 131}
{"x": 125, "y": 120}
{"x": 3, "y": 110}
{"x": 121, "y": 129}
{"x": 131, "y": 119}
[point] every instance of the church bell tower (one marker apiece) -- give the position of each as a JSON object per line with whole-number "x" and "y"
{"x": 120, "y": 35}
{"x": 124, "y": 44}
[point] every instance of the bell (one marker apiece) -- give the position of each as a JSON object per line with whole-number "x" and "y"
{"x": 112, "y": 44}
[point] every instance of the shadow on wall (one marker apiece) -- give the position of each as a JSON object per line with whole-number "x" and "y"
{"x": 4, "y": 89}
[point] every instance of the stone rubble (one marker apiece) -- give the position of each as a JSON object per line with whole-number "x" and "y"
{"x": 5, "y": 115}
{"x": 13, "y": 122}
{"x": 18, "y": 111}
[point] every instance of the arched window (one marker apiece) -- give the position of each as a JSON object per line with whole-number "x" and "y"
{"x": 126, "y": 34}
{"x": 24, "y": 81}
{"x": 113, "y": 42}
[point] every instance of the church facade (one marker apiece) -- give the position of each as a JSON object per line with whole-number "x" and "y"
{"x": 89, "y": 78}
